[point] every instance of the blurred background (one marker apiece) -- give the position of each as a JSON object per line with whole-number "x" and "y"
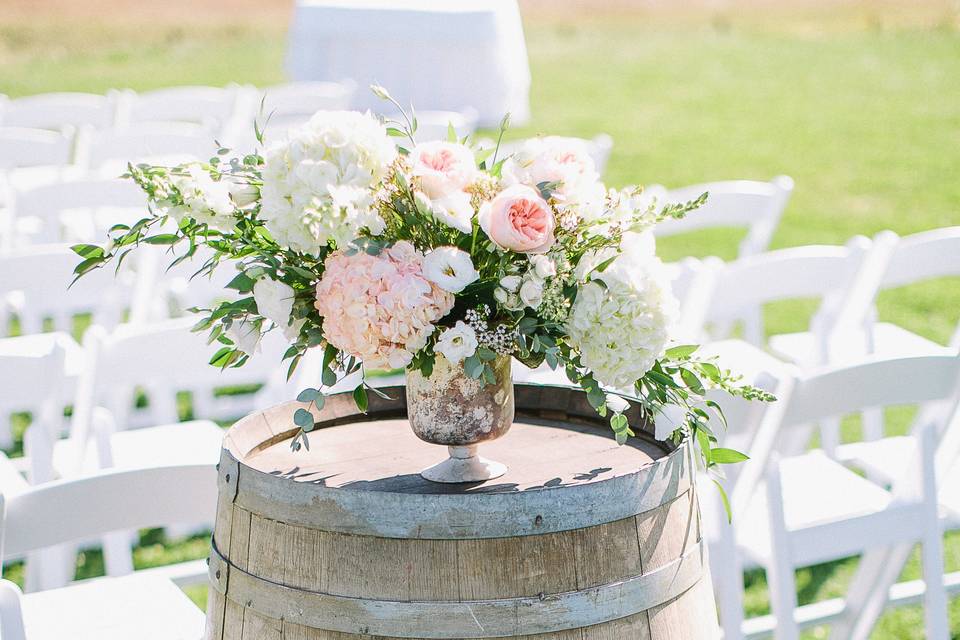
{"x": 857, "y": 101}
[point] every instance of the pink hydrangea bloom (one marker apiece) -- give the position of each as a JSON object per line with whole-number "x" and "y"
{"x": 381, "y": 308}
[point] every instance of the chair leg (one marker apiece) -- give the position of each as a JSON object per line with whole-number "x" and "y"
{"x": 727, "y": 573}
{"x": 935, "y": 599}
{"x": 867, "y": 596}
{"x": 780, "y": 577}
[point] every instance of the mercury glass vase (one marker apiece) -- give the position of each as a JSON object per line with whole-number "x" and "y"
{"x": 452, "y": 409}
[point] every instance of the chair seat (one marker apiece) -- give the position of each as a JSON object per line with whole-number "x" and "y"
{"x": 950, "y": 495}
{"x": 817, "y": 491}
{"x": 142, "y": 607}
{"x": 883, "y": 459}
{"x": 193, "y": 442}
{"x": 890, "y": 341}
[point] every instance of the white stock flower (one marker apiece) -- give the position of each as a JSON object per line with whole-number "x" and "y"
{"x": 620, "y": 329}
{"x": 204, "y": 199}
{"x": 245, "y": 335}
{"x": 449, "y": 268}
{"x": 275, "y": 303}
{"x": 531, "y": 292}
{"x": 457, "y": 342}
{"x": 318, "y": 186}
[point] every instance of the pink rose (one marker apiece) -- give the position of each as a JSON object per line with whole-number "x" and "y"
{"x": 443, "y": 167}
{"x": 519, "y": 219}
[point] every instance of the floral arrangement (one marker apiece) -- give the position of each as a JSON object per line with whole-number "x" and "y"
{"x": 351, "y": 237}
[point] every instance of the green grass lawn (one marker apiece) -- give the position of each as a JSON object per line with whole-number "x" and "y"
{"x": 866, "y": 120}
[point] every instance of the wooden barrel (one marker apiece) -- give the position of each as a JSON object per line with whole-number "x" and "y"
{"x": 581, "y": 539}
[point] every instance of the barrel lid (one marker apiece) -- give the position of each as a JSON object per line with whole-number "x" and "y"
{"x": 360, "y": 473}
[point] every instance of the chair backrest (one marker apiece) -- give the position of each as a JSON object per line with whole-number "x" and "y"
{"x": 433, "y": 125}
{"x": 743, "y": 286}
{"x": 210, "y": 106}
{"x": 165, "y": 141}
{"x": 32, "y": 371}
{"x": 36, "y": 284}
{"x": 162, "y": 358}
{"x": 57, "y": 110}
{"x": 79, "y": 209}
{"x": 112, "y": 500}
{"x": 924, "y": 256}
{"x": 25, "y": 147}
{"x": 835, "y": 392}
{"x": 305, "y": 98}
{"x": 756, "y": 206}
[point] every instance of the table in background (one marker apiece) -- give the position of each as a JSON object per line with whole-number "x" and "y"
{"x": 448, "y": 55}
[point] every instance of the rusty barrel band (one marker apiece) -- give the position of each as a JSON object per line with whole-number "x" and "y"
{"x": 474, "y": 619}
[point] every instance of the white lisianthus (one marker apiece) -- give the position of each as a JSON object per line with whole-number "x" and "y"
{"x": 543, "y": 266}
{"x": 531, "y": 292}
{"x": 457, "y": 342}
{"x": 275, "y": 303}
{"x": 449, "y": 268}
{"x": 318, "y": 186}
{"x": 453, "y": 210}
{"x": 245, "y": 336}
{"x": 204, "y": 199}
{"x": 616, "y": 403}
{"x": 620, "y": 328}
{"x": 444, "y": 168}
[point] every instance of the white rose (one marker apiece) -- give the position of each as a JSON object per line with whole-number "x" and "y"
{"x": 245, "y": 336}
{"x": 457, "y": 342}
{"x": 616, "y": 403}
{"x": 507, "y": 299}
{"x": 511, "y": 283}
{"x": 275, "y": 303}
{"x": 449, "y": 268}
{"x": 590, "y": 261}
{"x": 443, "y": 167}
{"x": 243, "y": 194}
{"x": 531, "y": 292}
{"x": 543, "y": 266}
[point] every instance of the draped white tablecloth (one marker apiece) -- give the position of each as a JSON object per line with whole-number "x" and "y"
{"x": 441, "y": 54}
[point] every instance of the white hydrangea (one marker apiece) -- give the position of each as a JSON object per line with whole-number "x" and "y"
{"x": 622, "y": 326}
{"x": 204, "y": 199}
{"x": 318, "y": 184}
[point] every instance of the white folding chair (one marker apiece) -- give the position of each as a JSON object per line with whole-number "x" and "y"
{"x": 57, "y": 110}
{"x": 34, "y": 372}
{"x": 165, "y": 142}
{"x": 901, "y": 262}
{"x": 212, "y": 107}
{"x": 755, "y": 206}
{"x": 36, "y": 288}
{"x": 76, "y": 510}
{"x": 815, "y": 510}
{"x": 434, "y": 125}
{"x": 76, "y": 210}
{"x": 742, "y": 287}
{"x": 26, "y": 147}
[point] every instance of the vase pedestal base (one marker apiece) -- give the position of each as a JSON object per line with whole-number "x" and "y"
{"x": 464, "y": 465}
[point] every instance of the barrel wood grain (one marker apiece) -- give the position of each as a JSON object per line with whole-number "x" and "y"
{"x": 281, "y": 575}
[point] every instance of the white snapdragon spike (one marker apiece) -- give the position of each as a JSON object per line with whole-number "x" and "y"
{"x": 246, "y": 336}
{"x": 620, "y": 328}
{"x": 449, "y": 268}
{"x": 204, "y": 199}
{"x": 275, "y": 303}
{"x": 457, "y": 342}
{"x": 318, "y": 186}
